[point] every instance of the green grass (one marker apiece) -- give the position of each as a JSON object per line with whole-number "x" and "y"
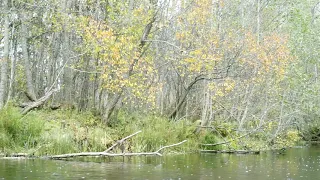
{"x": 19, "y": 132}
{"x": 47, "y": 132}
{"x": 158, "y": 132}
{"x": 65, "y": 131}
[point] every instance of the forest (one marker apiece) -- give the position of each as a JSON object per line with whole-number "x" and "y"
{"x": 212, "y": 72}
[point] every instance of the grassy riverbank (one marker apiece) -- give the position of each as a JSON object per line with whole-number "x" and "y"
{"x": 45, "y": 132}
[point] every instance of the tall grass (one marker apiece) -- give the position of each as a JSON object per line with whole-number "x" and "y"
{"x": 65, "y": 131}
{"x": 17, "y": 131}
{"x": 157, "y": 132}
{"x": 47, "y": 132}
{"x": 68, "y": 131}
{"x": 84, "y": 132}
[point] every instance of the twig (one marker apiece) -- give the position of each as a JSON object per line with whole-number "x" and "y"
{"x": 121, "y": 141}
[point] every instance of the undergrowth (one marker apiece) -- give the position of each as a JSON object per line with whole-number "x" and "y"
{"x": 19, "y": 132}
{"x": 47, "y": 132}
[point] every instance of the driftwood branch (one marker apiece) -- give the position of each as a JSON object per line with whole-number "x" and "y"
{"x": 231, "y": 151}
{"x": 31, "y": 105}
{"x": 63, "y": 156}
{"x": 104, "y": 153}
{"x": 171, "y": 145}
{"x": 107, "y": 152}
{"x": 121, "y": 141}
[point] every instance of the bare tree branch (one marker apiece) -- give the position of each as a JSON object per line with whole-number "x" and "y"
{"x": 171, "y": 145}
{"x": 63, "y": 156}
{"x": 38, "y": 102}
{"x": 121, "y": 141}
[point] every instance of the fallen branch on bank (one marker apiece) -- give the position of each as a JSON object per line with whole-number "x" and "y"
{"x": 15, "y": 155}
{"x": 31, "y": 105}
{"x": 19, "y": 155}
{"x": 120, "y": 142}
{"x": 107, "y": 152}
{"x": 231, "y": 151}
{"x": 314, "y": 142}
{"x": 63, "y": 156}
{"x": 104, "y": 153}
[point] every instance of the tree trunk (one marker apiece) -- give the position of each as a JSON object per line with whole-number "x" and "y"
{"x": 12, "y": 71}
{"x": 183, "y": 97}
{"x": 24, "y": 31}
{"x": 67, "y": 74}
{"x": 84, "y": 100}
{"x": 4, "y": 61}
{"x": 111, "y": 106}
{"x": 258, "y": 21}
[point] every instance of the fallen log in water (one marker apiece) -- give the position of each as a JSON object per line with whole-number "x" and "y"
{"x": 231, "y": 151}
{"x": 104, "y": 153}
{"x": 314, "y": 142}
{"x": 155, "y": 153}
{"x": 120, "y": 142}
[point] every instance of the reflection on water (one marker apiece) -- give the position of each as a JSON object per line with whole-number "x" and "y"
{"x": 303, "y": 163}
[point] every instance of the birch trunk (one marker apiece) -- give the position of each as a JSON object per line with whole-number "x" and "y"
{"x": 4, "y": 61}
{"x": 24, "y": 31}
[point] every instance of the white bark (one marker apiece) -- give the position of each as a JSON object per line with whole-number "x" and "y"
{"x": 4, "y": 60}
{"x": 24, "y": 32}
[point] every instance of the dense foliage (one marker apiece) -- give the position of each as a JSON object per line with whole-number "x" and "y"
{"x": 224, "y": 67}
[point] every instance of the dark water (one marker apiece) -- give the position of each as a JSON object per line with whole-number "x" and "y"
{"x": 303, "y": 163}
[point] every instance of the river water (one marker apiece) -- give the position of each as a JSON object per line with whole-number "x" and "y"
{"x": 298, "y": 163}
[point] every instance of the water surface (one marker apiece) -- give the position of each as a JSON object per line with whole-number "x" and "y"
{"x": 300, "y": 163}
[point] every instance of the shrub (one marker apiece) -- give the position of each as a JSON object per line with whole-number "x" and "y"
{"x": 311, "y": 132}
{"x": 287, "y": 139}
{"x": 210, "y": 138}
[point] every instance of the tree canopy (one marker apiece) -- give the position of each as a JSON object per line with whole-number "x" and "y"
{"x": 248, "y": 62}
